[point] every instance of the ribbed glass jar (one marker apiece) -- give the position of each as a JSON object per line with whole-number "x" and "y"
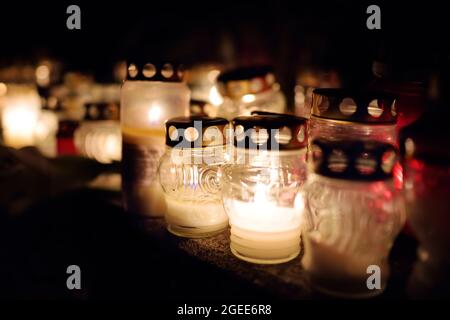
{"x": 354, "y": 210}
{"x": 190, "y": 173}
{"x": 261, "y": 188}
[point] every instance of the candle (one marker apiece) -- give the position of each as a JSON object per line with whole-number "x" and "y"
{"x": 354, "y": 213}
{"x": 263, "y": 231}
{"x": 45, "y": 133}
{"x": 195, "y": 217}
{"x": 261, "y": 189}
{"x": 190, "y": 173}
{"x": 20, "y": 115}
{"x": 151, "y": 94}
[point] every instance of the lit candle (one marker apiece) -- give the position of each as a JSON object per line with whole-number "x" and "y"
{"x": 20, "y": 115}
{"x": 202, "y": 217}
{"x": 151, "y": 94}
{"x": 264, "y": 231}
{"x": 354, "y": 213}
{"x": 261, "y": 189}
{"x": 190, "y": 173}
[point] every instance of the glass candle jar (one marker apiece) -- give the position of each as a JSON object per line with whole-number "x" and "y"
{"x": 190, "y": 173}
{"x": 261, "y": 189}
{"x": 248, "y": 89}
{"x": 151, "y": 94}
{"x": 340, "y": 114}
{"x": 353, "y": 214}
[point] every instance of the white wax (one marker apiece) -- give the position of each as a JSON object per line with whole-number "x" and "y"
{"x": 195, "y": 213}
{"x": 263, "y": 216}
{"x": 263, "y": 232}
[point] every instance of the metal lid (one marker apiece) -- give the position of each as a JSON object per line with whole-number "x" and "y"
{"x": 196, "y": 132}
{"x": 372, "y": 107}
{"x": 246, "y": 80}
{"x": 270, "y": 132}
{"x": 154, "y": 71}
{"x": 353, "y": 159}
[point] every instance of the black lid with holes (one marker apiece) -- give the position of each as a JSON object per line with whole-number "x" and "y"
{"x": 154, "y": 71}
{"x": 371, "y": 107}
{"x": 353, "y": 159}
{"x": 270, "y": 132}
{"x": 195, "y": 132}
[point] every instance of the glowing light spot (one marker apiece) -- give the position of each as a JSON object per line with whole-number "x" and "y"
{"x": 154, "y": 113}
{"x": 248, "y": 98}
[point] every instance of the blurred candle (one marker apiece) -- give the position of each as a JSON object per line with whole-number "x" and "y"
{"x": 151, "y": 94}
{"x": 20, "y": 115}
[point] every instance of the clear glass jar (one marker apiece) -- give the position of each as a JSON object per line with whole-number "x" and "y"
{"x": 151, "y": 94}
{"x": 190, "y": 173}
{"x": 249, "y": 89}
{"x": 353, "y": 213}
{"x": 261, "y": 189}
{"x": 340, "y": 114}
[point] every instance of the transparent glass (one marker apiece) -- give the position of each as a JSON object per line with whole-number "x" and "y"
{"x": 271, "y": 100}
{"x": 145, "y": 106}
{"x": 341, "y": 130}
{"x": 349, "y": 228}
{"x": 192, "y": 183}
{"x": 261, "y": 197}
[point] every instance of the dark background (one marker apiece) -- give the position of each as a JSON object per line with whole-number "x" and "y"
{"x": 286, "y": 34}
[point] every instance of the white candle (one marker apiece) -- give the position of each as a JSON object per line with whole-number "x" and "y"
{"x": 264, "y": 232}
{"x": 195, "y": 218}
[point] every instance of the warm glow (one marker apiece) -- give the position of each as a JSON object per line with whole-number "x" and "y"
{"x": 248, "y": 98}
{"x": 214, "y": 96}
{"x": 112, "y": 147}
{"x": 3, "y": 89}
{"x": 43, "y": 75}
{"x": 154, "y": 113}
{"x": 19, "y": 124}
